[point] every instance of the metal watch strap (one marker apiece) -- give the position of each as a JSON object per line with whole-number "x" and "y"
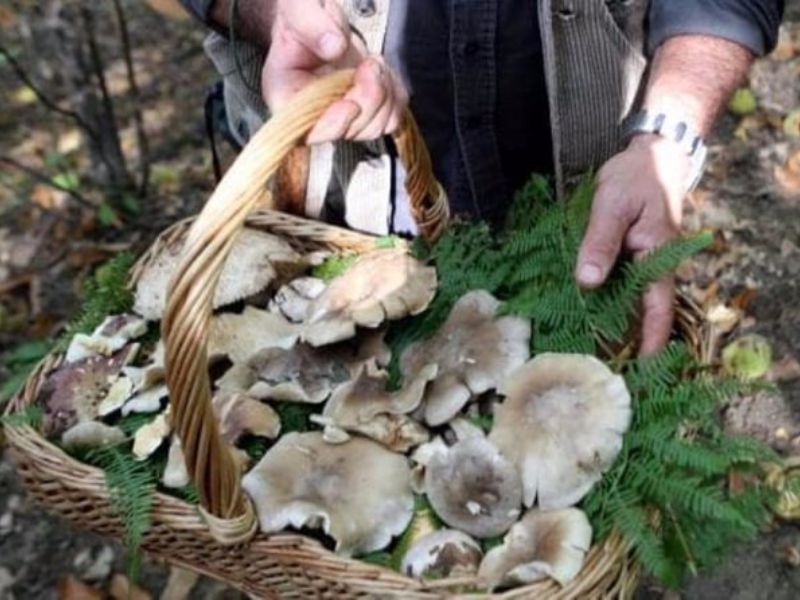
{"x": 675, "y": 130}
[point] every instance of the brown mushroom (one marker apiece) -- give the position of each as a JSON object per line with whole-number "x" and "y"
{"x": 255, "y": 260}
{"x": 474, "y": 350}
{"x": 545, "y": 543}
{"x": 74, "y": 391}
{"x": 380, "y": 285}
{"x": 472, "y": 487}
{"x": 357, "y": 492}
{"x": 561, "y": 424}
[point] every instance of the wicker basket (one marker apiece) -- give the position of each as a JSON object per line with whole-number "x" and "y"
{"x": 219, "y": 538}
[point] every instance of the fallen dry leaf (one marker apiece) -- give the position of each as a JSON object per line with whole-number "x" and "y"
{"x": 786, "y": 369}
{"x": 179, "y": 585}
{"x": 121, "y": 589}
{"x": 71, "y": 588}
{"x": 742, "y": 300}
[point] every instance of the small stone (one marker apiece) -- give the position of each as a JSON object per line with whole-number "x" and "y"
{"x": 14, "y": 503}
{"x": 6, "y": 581}
{"x": 6, "y": 523}
{"x": 792, "y": 556}
{"x": 82, "y": 559}
{"x": 100, "y": 568}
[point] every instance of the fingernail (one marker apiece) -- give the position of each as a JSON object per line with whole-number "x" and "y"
{"x": 590, "y": 274}
{"x": 331, "y": 45}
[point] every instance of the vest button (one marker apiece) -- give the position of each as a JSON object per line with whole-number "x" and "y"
{"x": 364, "y": 8}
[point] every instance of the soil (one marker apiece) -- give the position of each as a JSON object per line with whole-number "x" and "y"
{"x": 756, "y": 217}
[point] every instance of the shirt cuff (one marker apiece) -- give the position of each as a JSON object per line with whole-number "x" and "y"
{"x": 734, "y": 22}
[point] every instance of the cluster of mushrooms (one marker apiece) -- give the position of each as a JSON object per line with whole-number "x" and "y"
{"x": 557, "y": 420}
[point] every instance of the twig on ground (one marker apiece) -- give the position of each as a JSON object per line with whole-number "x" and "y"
{"x": 141, "y": 136}
{"x": 19, "y": 71}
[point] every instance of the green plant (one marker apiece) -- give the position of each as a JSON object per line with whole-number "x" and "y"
{"x": 131, "y": 484}
{"x": 18, "y": 363}
{"x": 105, "y": 293}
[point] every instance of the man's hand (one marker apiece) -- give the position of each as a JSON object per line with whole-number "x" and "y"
{"x": 639, "y": 198}
{"x": 637, "y": 207}
{"x": 310, "y": 38}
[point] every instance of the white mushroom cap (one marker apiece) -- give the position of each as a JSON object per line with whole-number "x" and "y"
{"x": 380, "y": 285}
{"x": 442, "y": 553}
{"x": 175, "y": 474}
{"x": 420, "y": 458}
{"x": 358, "y": 492}
{"x": 292, "y": 300}
{"x": 147, "y": 401}
{"x": 118, "y": 393}
{"x": 253, "y": 263}
{"x": 91, "y": 434}
{"x": 474, "y": 350}
{"x": 108, "y": 337}
{"x": 472, "y": 487}
{"x": 365, "y": 406}
{"x": 149, "y": 437}
{"x": 151, "y": 374}
{"x": 240, "y": 336}
{"x": 562, "y": 424}
{"x": 545, "y": 543}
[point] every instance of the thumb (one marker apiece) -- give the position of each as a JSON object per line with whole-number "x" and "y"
{"x": 602, "y": 242}
{"x": 319, "y": 25}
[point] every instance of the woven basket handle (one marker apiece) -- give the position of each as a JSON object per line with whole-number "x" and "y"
{"x": 185, "y": 325}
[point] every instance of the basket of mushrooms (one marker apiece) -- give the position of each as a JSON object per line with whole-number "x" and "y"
{"x": 246, "y": 326}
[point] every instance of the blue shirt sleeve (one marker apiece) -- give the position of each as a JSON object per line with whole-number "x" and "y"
{"x": 751, "y": 23}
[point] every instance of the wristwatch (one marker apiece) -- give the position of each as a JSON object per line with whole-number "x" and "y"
{"x": 675, "y": 130}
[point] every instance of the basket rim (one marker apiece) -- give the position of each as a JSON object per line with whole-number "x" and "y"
{"x": 181, "y": 515}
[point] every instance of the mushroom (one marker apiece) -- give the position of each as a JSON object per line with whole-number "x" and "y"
{"x": 300, "y": 374}
{"x": 91, "y": 434}
{"x": 148, "y": 401}
{"x": 474, "y": 350}
{"x": 380, "y": 285}
{"x": 149, "y": 437}
{"x": 421, "y": 458}
{"x": 545, "y": 543}
{"x": 472, "y": 487}
{"x": 118, "y": 393}
{"x": 255, "y": 260}
{"x": 463, "y": 429}
{"x": 111, "y": 335}
{"x": 175, "y": 475}
{"x": 365, "y": 406}
{"x": 240, "y": 336}
{"x": 561, "y": 424}
{"x": 74, "y": 391}
{"x": 442, "y": 553}
{"x": 292, "y": 299}
{"x": 239, "y": 414}
{"x": 358, "y": 492}
{"x": 150, "y": 374}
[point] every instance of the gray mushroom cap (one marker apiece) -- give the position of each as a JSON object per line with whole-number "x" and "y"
{"x": 472, "y": 487}
{"x": 442, "y": 553}
{"x": 364, "y": 405}
{"x": 474, "y": 350}
{"x": 561, "y": 424}
{"x": 358, "y": 492}
{"x": 544, "y": 543}
{"x": 255, "y": 260}
{"x": 381, "y": 285}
